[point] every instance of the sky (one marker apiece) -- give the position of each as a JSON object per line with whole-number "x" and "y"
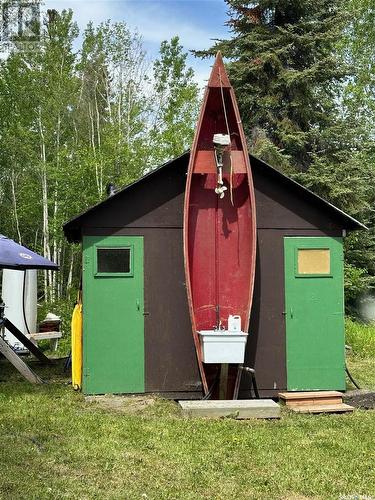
{"x": 196, "y": 22}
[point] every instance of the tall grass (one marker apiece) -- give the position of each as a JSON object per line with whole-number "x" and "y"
{"x": 360, "y": 337}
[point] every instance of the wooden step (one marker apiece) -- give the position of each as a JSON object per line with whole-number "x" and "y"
{"x": 322, "y": 408}
{"x": 241, "y": 409}
{"x": 293, "y": 399}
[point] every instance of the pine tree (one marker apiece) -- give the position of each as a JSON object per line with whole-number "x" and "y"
{"x": 285, "y": 71}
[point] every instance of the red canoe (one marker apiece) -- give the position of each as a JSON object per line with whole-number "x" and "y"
{"x": 219, "y": 216}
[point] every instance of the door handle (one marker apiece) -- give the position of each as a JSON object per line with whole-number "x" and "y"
{"x": 138, "y": 305}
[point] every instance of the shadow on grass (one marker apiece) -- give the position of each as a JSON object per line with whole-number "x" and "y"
{"x": 50, "y": 374}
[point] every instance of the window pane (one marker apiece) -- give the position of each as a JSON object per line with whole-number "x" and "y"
{"x": 113, "y": 260}
{"x": 314, "y": 261}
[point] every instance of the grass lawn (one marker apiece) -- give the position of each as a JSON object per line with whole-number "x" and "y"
{"x": 361, "y": 359}
{"x": 56, "y": 445}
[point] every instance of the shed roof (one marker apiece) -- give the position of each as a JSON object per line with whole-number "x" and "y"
{"x": 72, "y": 227}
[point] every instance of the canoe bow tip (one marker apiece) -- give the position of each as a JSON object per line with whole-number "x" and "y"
{"x": 219, "y": 77}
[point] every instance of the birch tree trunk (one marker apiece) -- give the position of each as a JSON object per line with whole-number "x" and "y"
{"x": 14, "y": 201}
{"x": 44, "y": 182}
{"x": 70, "y": 274}
{"x": 98, "y": 137}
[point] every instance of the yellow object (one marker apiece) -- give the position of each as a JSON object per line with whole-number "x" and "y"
{"x": 76, "y": 327}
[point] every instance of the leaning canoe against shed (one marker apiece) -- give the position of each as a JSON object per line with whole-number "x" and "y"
{"x": 219, "y": 230}
{"x": 138, "y": 324}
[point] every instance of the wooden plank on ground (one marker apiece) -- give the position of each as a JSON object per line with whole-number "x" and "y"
{"x": 335, "y": 408}
{"x": 45, "y": 335}
{"x": 18, "y": 363}
{"x": 310, "y": 398}
{"x": 309, "y": 394}
{"x": 241, "y": 409}
{"x": 319, "y": 401}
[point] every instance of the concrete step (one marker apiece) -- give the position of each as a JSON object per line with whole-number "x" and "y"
{"x": 241, "y": 409}
{"x": 322, "y": 408}
{"x": 292, "y": 399}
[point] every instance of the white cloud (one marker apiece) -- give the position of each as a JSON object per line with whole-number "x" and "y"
{"x": 85, "y": 11}
{"x": 156, "y": 21}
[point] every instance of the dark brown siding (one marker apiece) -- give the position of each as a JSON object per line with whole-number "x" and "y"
{"x": 154, "y": 209}
{"x": 156, "y": 202}
{"x": 279, "y": 208}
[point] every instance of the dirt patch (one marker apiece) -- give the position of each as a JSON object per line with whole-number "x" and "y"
{"x": 122, "y": 404}
{"x": 360, "y": 399}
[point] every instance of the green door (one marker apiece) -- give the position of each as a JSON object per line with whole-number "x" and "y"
{"x": 314, "y": 301}
{"x": 113, "y": 321}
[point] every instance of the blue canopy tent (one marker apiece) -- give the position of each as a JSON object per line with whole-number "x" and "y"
{"x": 15, "y": 256}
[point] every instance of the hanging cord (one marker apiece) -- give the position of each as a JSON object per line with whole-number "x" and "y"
{"x": 351, "y": 377}
{"x": 228, "y": 132}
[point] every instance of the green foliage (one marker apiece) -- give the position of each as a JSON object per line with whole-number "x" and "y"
{"x": 265, "y": 149}
{"x": 175, "y": 103}
{"x": 304, "y": 75}
{"x": 358, "y": 47}
{"x": 347, "y": 182}
{"x": 356, "y": 282}
{"x": 72, "y": 122}
{"x": 284, "y": 68}
{"x": 361, "y": 338}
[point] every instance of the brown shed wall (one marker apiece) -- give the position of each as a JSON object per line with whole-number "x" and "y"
{"x": 154, "y": 209}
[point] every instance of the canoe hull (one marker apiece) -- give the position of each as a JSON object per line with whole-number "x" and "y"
{"x": 219, "y": 251}
{"x": 219, "y": 233}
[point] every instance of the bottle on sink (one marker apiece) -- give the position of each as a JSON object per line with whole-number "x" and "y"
{"x": 234, "y": 323}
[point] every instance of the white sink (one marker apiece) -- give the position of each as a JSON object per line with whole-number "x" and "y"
{"x": 222, "y": 346}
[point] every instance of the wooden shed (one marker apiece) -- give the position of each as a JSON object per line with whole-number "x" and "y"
{"x": 137, "y": 332}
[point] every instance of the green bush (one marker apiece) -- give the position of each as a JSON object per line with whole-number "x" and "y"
{"x": 356, "y": 282}
{"x": 360, "y": 337}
